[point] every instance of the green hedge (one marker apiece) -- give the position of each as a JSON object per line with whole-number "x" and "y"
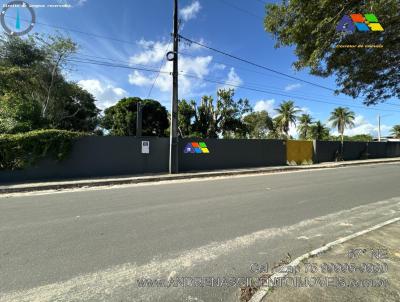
{"x": 18, "y": 151}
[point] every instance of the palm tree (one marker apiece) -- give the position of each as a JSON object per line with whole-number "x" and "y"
{"x": 274, "y": 132}
{"x": 342, "y": 118}
{"x": 318, "y": 131}
{"x": 396, "y": 131}
{"x": 304, "y": 126}
{"x": 286, "y": 116}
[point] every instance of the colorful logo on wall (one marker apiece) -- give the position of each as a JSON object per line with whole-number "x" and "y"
{"x": 196, "y": 147}
{"x": 367, "y": 22}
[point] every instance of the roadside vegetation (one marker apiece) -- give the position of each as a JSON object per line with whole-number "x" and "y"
{"x": 42, "y": 111}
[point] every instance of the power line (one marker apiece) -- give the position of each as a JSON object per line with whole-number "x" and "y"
{"x": 286, "y": 95}
{"x": 184, "y": 38}
{"x": 158, "y": 74}
{"x": 260, "y": 66}
{"x": 279, "y": 77}
{"x": 182, "y": 72}
{"x": 232, "y": 85}
{"x": 108, "y": 64}
{"x": 255, "y": 64}
{"x": 112, "y": 60}
{"x": 241, "y": 9}
{"x": 226, "y": 64}
{"x": 261, "y": 73}
{"x": 77, "y": 31}
{"x": 238, "y": 67}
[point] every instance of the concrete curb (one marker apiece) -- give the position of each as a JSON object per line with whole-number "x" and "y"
{"x": 262, "y": 292}
{"x": 160, "y": 178}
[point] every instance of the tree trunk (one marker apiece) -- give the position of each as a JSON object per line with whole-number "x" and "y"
{"x": 342, "y": 143}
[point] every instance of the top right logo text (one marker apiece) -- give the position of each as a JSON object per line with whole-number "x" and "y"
{"x": 359, "y": 22}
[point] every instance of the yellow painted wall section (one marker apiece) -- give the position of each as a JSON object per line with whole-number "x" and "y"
{"x": 299, "y": 151}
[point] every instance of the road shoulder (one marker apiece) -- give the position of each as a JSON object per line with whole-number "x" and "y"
{"x": 127, "y": 180}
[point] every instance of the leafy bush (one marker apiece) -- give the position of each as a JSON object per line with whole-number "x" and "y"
{"x": 18, "y": 151}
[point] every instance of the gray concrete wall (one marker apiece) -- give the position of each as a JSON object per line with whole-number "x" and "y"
{"x": 325, "y": 151}
{"x": 354, "y": 150}
{"x": 98, "y": 156}
{"x": 116, "y": 156}
{"x": 393, "y": 149}
{"x": 233, "y": 153}
{"x": 377, "y": 150}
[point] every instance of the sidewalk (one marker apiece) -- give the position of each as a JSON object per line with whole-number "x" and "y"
{"x": 374, "y": 275}
{"x": 124, "y": 180}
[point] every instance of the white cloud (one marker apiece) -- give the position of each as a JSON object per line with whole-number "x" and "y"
{"x": 197, "y": 66}
{"x": 190, "y": 12}
{"x": 305, "y": 110}
{"x": 293, "y": 131}
{"x": 363, "y": 126}
{"x": 154, "y": 52}
{"x": 233, "y": 77}
{"x": 232, "y": 80}
{"x": 106, "y": 94}
{"x": 139, "y": 79}
{"x": 193, "y": 46}
{"x": 292, "y": 87}
{"x": 219, "y": 66}
{"x": 267, "y": 105}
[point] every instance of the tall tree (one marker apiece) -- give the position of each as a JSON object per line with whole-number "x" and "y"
{"x": 287, "y": 116}
{"x": 305, "y": 122}
{"x": 342, "y": 118}
{"x": 120, "y": 119}
{"x": 75, "y": 108}
{"x": 204, "y": 123}
{"x": 310, "y": 26}
{"x": 57, "y": 51}
{"x": 360, "y": 138}
{"x": 258, "y": 124}
{"x": 19, "y": 114}
{"x": 186, "y": 113}
{"x": 222, "y": 119}
{"x": 396, "y": 131}
{"x": 318, "y": 131}
{"x": 275, "y": 132}
{"x": 33, "y": 90}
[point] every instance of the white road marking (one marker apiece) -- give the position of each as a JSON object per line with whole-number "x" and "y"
{"x": 346, "y": 224}
{"x": 95, "y": 286}
{"x": 309, "y": 237}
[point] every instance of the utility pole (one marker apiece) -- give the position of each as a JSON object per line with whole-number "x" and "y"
{"x": 173, "y": 150}
{"x": 379, "y": 127}
{"x": 139, "y": 119}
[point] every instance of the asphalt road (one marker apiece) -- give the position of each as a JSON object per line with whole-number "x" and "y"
{"x": 93, "y": 245}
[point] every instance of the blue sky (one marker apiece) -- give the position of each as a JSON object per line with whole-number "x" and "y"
{"x": 235, "y": 26}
